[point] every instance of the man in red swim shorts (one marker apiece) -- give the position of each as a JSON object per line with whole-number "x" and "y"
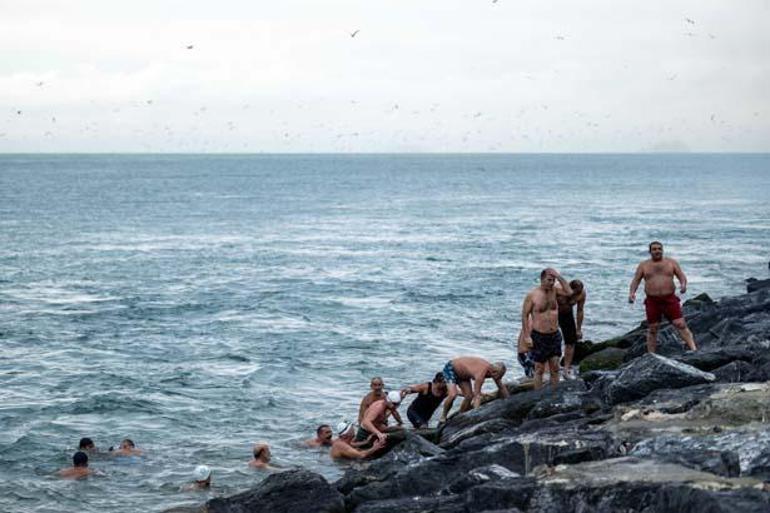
{"x": 658, "y": 275}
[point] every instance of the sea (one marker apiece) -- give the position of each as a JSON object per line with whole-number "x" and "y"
{"x": 200, "y": 303}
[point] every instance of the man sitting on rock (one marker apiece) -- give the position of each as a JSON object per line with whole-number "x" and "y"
{"x": 342, "y": 448}
{"x": 658, "y": 274}
{"x": 463, "y": 370}
{"x": 374, "y": 418}
{"x": 540, "y": 324}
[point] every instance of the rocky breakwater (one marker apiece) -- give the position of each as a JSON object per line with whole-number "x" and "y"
{"x": 673, "y": 432}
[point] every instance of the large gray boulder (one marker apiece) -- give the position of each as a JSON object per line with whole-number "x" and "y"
{"x": 652, "y": 372}
{"x": 286, "y": 492}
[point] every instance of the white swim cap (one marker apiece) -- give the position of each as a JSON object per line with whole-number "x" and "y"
{"x": 201, "y": 473}
{"x": 343, "y": 427}
{"x": 394, "y": 396}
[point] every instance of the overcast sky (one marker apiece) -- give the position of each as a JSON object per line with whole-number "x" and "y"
{"x": 418, "y": 75}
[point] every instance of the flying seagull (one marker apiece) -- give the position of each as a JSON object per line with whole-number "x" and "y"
{"x": 690, "y": 21}
{"x": 353, "y": 34}
{"x": 190, "y": 47}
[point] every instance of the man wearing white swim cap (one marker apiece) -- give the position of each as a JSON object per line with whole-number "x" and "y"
{"x": 374, "y": 418}
{"x": 342, "y": 448}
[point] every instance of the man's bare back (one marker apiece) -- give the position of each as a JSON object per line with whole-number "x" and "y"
{"x": 467, "y": 367}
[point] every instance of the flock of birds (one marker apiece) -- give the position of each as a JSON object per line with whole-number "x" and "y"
{"x": 231, "y": 126}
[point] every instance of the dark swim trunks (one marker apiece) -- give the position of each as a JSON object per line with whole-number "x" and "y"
{"x": 527, "y": 363}
{"x": 568, "y": 327}
{"x": 657, "y": 306}
{"x": 362, "y": 434}
{"x": 546, "y": 346}
{"x": 449, "y": 373}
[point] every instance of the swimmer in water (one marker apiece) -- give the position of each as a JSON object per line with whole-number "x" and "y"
{"x": 323, "y": 437}
{"x": 127, "y": 448}
{"x": 343, "y": 446}
{"x": 79, "y": 468}
{"x": 201, "y": 479}
{"x": 87, "y": 445}
{"x": 262, "y": 457}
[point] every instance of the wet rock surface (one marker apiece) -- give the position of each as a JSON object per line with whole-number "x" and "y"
{"x": 674, "y": 432}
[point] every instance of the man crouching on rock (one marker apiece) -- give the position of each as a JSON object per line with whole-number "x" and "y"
{"x": 658, "y": 275}
{"x": 540, "y": 325}
{"x": 464, "y": 369}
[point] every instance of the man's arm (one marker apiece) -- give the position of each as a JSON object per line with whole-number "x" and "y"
{"x": 581, "y": 303}
{"x": 422, "y": 388}
{"x": 397, "y": 416}
{"x": 526, "y": 311}
{"x": 356, "y": 454}
{"x": 501, "y": 387}
{"x": 478, "y": 382}
{"x": 362, "y": 409}
{"x": 635, "y": 282}
{"x": 565, "y": 289}
{"x": 680, "y": 276}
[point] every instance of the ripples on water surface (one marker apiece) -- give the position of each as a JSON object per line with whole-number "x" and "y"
{"x": 197, "y": 304}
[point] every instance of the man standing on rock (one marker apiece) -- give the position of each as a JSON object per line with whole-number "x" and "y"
{"x": 460, "y": 371}
{"x": 540, "y": 325}
{"x": 571, "y": 324}
{"x": 658, "y": 274}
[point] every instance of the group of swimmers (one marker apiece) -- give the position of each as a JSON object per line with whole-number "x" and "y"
{"x": 547, "y": 321}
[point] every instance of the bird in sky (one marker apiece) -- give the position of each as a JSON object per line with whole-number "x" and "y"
{"x": 353, "y": 34}
{"x": 560, "y": 38}
{"x": 40, "y": 84}
{"x": 190, "y": 47}
{"x": 689, "y": 20}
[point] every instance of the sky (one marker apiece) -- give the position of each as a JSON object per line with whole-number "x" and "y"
{"x": 385, "y": 76}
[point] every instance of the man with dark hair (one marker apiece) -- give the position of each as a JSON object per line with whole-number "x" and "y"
{"x": 79, "y": 468}
{"x": 429, "y": 397}
{"x": 658, "y": 273}
{"x": 571, "y": 329}
{"x": 87, "y": 445}
{"x": 540, "y": 325}
{"x": 323, "y": 437}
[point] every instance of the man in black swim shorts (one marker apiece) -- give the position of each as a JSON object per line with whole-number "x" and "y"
{"x": 571, "y": 328}
{"x": 540, "y": 325}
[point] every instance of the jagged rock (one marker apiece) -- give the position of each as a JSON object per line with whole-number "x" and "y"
{"x": 476, "y": 477}
{"x": 413, "y": 449}
{"x": 713, "y": 359}
{"x": 606, "y": 359}
{"x": 515, "y": 408}
{"x": 755, "y": 285}
{"x": 285, "y": 492}
{"x": 734, "y": 372}
{"x": 759, "y": 467}
{"x": 652, "y": 372}
{"x": 698, "y": 302}
{"x": 723, "y": 463}
{"x": 440, "y": 504}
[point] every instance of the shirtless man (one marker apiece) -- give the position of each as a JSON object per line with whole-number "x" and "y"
{"x": 127, "y": 448}
{"x": 460, "y": 371}
{"x": 323, "y": 437}
{"x": 262, "y": 457}
{"x": 571, "y": 324}
{"x": 377, "y": 393}
{"x": 540, "y": 325}
{"x": 658, "y": 274}
{"x": 343, "y": 446}
{"x": 79, "y": 468}
{"x": 374, "y": 419}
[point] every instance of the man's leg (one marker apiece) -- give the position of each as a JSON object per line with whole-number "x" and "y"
{"x": 539, "y": 370}
{"x": 685, "y": 333}
{"x": 652, "y": 337}
{"x": 553, "y": 368}
{"x": 569, "y": 353}
{"x": 450, "y": 399}
{"x": 467, "y": 390}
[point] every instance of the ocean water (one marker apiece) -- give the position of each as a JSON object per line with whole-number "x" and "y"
{"x": 197, "y": 304}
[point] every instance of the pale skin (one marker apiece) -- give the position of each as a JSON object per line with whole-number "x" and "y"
{"x": 540, "y": 312}
{"x": 262, "y": 457}
{"x": 377, "y": 393}
{"x": 374, "y": 419}
{"x": 658, "y": 274}
{"x": 342, "y": 448}
{"x": 323, "y": 438}
{"x": 578, "y": 297}
{"x": 75, "y": 472}
{"x": 471, "y": 371}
